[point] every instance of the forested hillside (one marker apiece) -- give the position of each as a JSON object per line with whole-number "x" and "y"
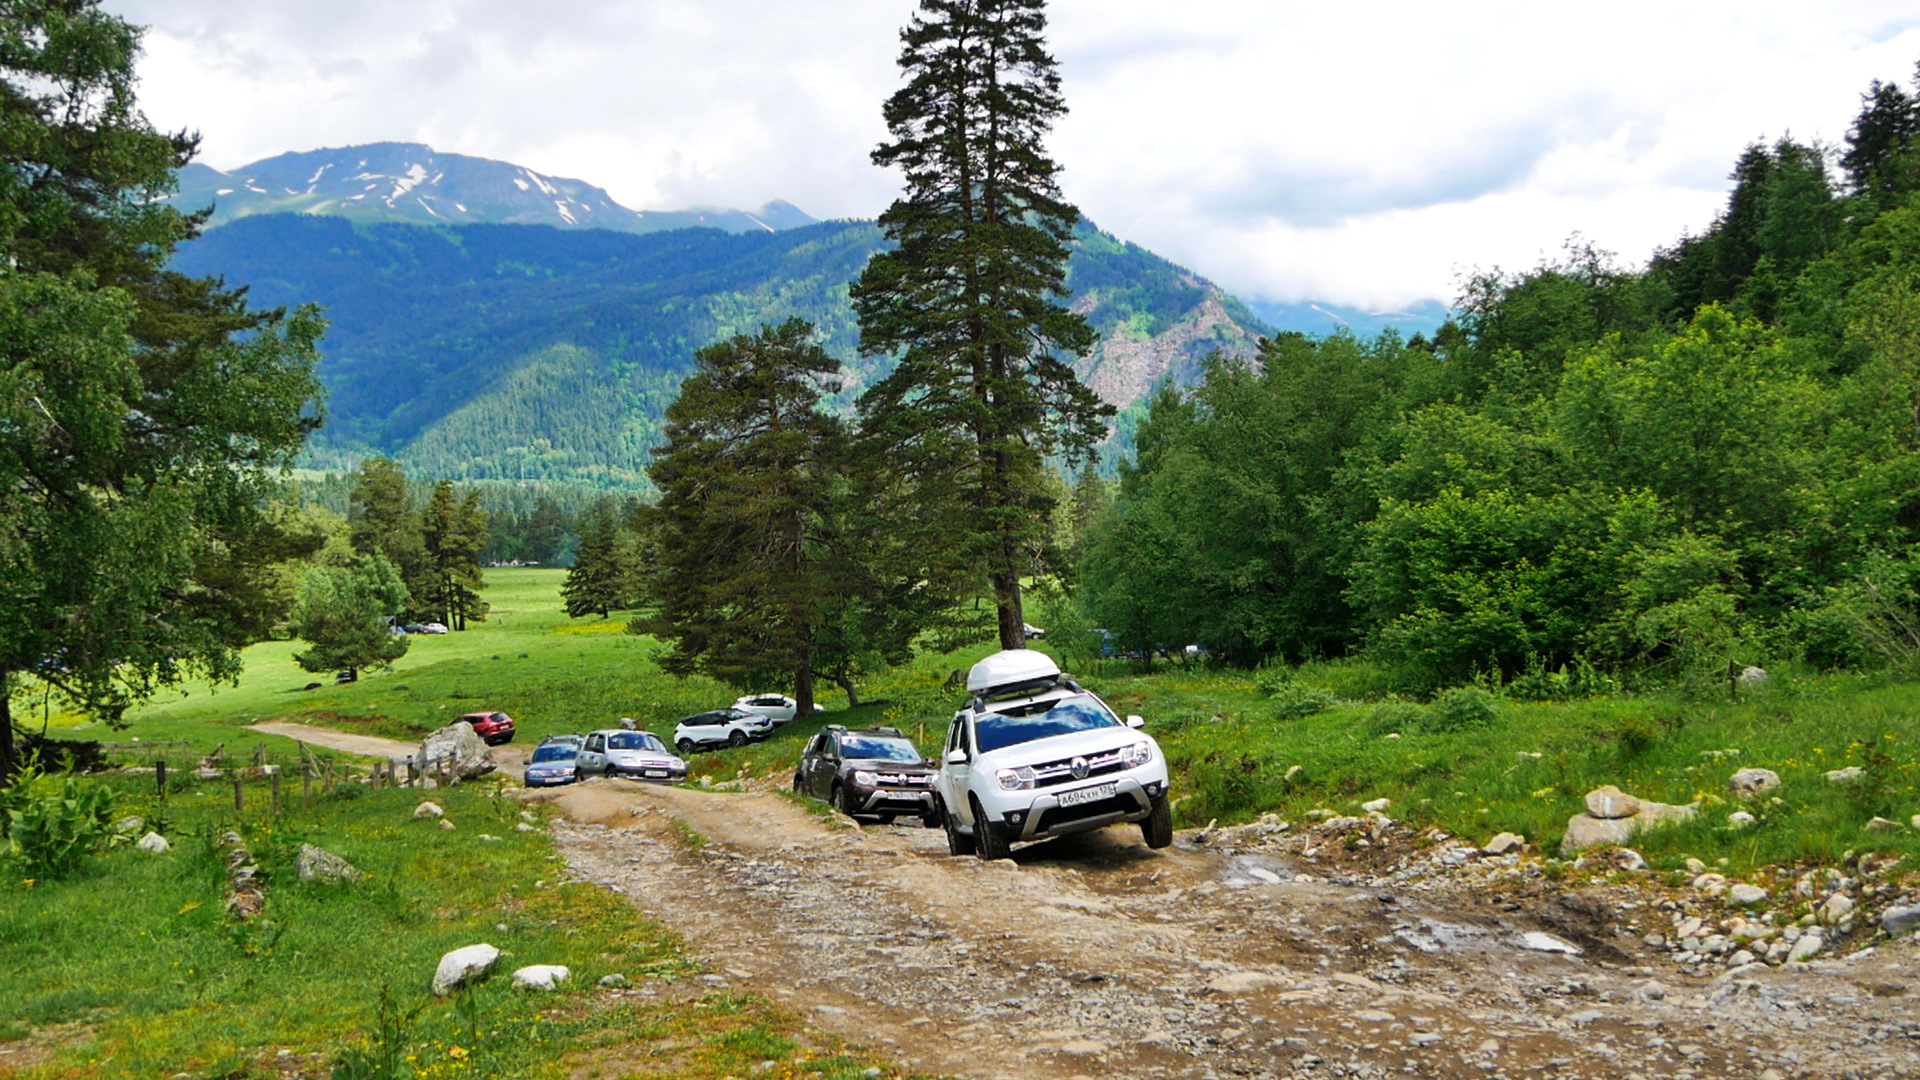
{"x": 1658, "y": 471}
{"x": 509, "y": 352}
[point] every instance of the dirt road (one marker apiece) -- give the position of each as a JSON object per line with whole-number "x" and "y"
{"x": 1096, "y": 957}
{"x": 511, "y": 758}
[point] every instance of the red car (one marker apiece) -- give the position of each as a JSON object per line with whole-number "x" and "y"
{"x": 492, "y": 727}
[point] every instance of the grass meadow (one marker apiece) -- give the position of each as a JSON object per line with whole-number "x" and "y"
{"x": 130, "y": 967}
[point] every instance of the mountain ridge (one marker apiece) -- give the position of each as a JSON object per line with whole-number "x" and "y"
{"x": 414, "y": 183}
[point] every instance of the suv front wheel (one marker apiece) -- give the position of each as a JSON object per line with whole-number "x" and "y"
{"x": 1157, "y": 827}
{"x": 991, "y": 841}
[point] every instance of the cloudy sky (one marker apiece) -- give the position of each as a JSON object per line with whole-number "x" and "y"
{"x": 1361, "y": 153}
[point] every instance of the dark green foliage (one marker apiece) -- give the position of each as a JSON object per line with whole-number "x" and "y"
{"x": 1463, "y": 708}
{"x": 605, "y": 576}
{"x": 1878, "y": 160}
{"x": 747, "y": 479}
{"x": 52, "y": 822}
{"x": 345, "y": 615}
{"x": 1595, "y": 475}
{"x": 967, "y": 300}
{"x": 453, "y": 531}
{"x": 144, "y": 416}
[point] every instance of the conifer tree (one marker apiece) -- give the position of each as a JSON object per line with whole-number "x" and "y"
{"x": 452, "y": 534}
{"x": 747, "y": 474}
{"x": 601, "y": 580}
{"x": 345, "y": 615}
{"x": 144, "y": 416}
{"x": 967, "y": 299}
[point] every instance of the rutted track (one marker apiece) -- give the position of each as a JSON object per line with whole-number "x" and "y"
{"x": 1093, "y": 956}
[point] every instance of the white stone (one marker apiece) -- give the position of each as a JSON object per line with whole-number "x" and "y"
{"x": 427, "y": 810}
{"x": 1804, "y": 950}
{"x": 1750, "y": 782}
{"x": 1505, "y": 843}
{"x": 1753, "y": 677}
{"x": 445, "y": 824}
{"x": 541, "y": 976}
{"x": 524, "y": 827}
{"x": 154, "y": 843}
{"x": 1744, "y": 895}
{"x": 1739, "y": 819}
{"x": 1837, "y": 907}
{"x": 1541, "y": 941}
{"x": 1845, "y": 776}
{"x": 319, "y": 864}
{"x": 1376, "y": 806}
{"x": 1881, "y": 825}
{"x": 1610, "y": 803}
{"x": 464, "y": 965}
{"x": 1899, "y": 920}
{"x": 457, "y": 749}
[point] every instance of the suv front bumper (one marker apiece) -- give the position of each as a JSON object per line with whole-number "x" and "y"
{"x": 898, "y": 801}
{"x": 1045, "y": 816}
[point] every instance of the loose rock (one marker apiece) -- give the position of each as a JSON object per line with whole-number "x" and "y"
{"x": 1899, "y": 920}
{"x": 1505, "y": 843}
{"x": 1847, "y": 775}
{"x": 1750, "y": 782}
{"x": 153, "y": 842}
{"x": 459, "y": 750}
{"x": 1744, "y": 895}
{"x": 319, "y": 864}
{"x": 462, "y": 966}
{"x": 541, "y": 976}
{"x": 1610, "y": 803}
{"x": 1739, "y": 819}
{"x": 427, "y": 810}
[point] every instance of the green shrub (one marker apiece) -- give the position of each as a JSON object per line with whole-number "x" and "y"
{"x": 1463, "y": 708}
{"x": 1395, "y": 714}
{"x": 1296, "y": 700}
{"x": 52, "y": 824}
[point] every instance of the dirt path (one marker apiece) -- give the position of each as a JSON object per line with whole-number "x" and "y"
{"x": 510, "y": 757}
{"x": 1096, "y": 957}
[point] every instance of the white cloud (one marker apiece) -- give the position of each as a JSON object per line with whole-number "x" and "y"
{"x": 1356, "y": 153}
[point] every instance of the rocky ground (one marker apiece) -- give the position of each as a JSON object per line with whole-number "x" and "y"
{"x": 1353, "y": 947}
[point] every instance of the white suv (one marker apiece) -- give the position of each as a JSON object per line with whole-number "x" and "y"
{"x": 1032, "y": 755}
{"x": 722, "y": 727}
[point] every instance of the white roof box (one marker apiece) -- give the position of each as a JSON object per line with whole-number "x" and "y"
{"x": 1010, "y": 667}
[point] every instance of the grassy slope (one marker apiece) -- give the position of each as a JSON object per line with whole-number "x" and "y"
{"x": 1230, "y": 756}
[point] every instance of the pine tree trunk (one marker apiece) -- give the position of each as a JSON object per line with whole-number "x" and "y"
{"x": 7, "y": 762}
{"x": 845, "y": 682}
{"x": 803, "y": 689}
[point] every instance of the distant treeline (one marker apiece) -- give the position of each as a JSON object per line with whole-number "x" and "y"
{"x": 1661, "y": 470}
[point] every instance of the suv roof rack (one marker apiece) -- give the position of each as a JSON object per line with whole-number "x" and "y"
{"x": 889, "y": 731}
{"x": 836, "y": 727}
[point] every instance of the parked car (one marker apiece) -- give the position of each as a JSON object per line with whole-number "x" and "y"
{"x": 876, "y": 773}
{"x": 1032, "y": 632}
{"x": 494, "y": 727}
{"x": 414, "y": 628}
{"x": 778, "y": 708}
{"x": 722, "y": 727}
{"x": 431, "y": 628}
{"x": 570, "y": 740}
{"x": 552, "y": 764}
{"x": 620, "y": 752}
{"x": 1033, "y": 755}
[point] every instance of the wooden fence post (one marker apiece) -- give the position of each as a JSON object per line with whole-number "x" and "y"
{"x": 276, "y": 792}
{"x": 160, "y": 778}
{"x": 306, "y": 787}
{"x": 237, "y": 782}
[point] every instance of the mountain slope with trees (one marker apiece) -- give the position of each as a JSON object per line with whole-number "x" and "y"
{"x": 526, "y": 352}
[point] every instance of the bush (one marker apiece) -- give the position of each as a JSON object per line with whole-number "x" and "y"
{"x": 1395, "y": 714}
{"x": 53, "y": 824}
{"x": 1297, "y": 700}
{"x": 1463, "y": 708}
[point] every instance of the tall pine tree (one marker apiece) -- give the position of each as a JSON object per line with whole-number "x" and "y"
{"x": 967, "y": 299}
{"x": 452, "y": 533}
{"x": 601, "y": 579}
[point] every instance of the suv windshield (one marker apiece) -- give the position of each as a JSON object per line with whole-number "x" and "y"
{"x": 1082, "y": 712}
{"x": 879, "y": 749}
{"x": 553, "y": 752}
{"x": 633, "y": 740}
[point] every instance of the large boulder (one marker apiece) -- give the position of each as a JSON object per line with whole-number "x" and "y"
{"x": 1750, "y": 782}
{"x": 1613, "y": 816}
{"x": 468, "y": 964}
{"x": 459, "y": 750}
{"x": 319, "y": 864}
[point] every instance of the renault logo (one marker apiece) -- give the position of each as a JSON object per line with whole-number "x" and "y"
{"x": 1079, "y": 767}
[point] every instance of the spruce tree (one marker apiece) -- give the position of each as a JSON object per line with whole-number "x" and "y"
{"x": 967, "y": 299}
{"x": 601, "y": 579}
{"x": 747, "y": 473}
{"x": 452, "y": 534}
{"x": 145, "y": 417}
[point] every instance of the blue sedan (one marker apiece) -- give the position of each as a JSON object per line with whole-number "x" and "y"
{"x": 552, "y": 763}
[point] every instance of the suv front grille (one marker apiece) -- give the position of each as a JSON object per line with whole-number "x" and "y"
{"x": 1055, "y": 773}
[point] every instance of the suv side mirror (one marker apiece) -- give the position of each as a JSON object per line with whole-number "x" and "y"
{"x": 956, "y": 757}
{"x": 1136, "y": 721}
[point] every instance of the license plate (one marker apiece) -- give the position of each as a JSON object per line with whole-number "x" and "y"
{"x": 654, "y": 772}
{"x": 1087, "y": 795}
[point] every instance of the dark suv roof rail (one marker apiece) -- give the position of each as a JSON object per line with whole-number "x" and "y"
{"x": 836, "y": 727}
{"x": 889, "y": 731}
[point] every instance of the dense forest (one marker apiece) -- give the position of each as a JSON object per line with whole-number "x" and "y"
{"x": 1651, "y": 472}
{"x": 518, "y": 352}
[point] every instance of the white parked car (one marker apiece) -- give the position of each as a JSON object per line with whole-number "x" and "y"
{"x": 722, "y": 727}
{"x": 778, "y": 708}
{"x": 434, "y": 628}
{"x": 1033, "y": 755}
{"x": 619, "y": 752}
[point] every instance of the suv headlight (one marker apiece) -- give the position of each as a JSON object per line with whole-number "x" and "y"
{"x": 1136, "y": 755}
{"x": 865, "y": 778}
{"x": 1020, "y": 779}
